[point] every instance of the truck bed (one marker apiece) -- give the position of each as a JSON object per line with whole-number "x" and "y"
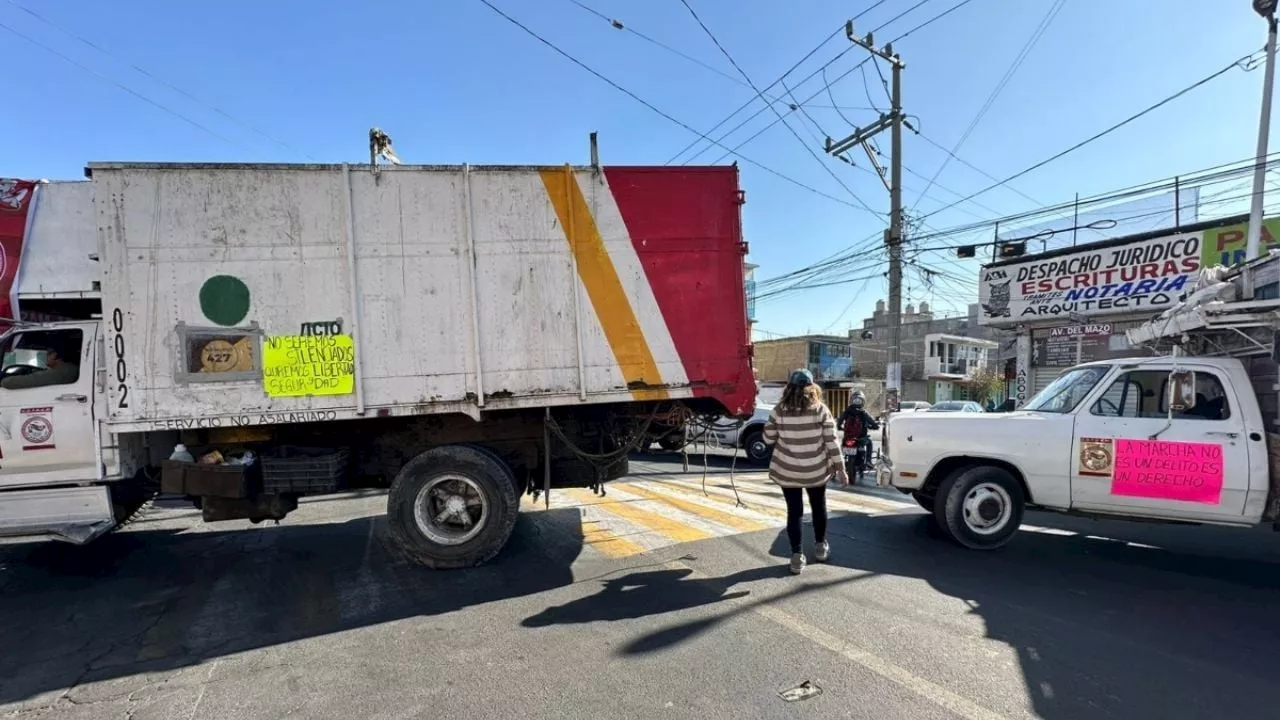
{"x": 472, "y": 289}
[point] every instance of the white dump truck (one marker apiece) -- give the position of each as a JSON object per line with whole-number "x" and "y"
{"x": 1186, "y": 433}
{"x": 468, "y": 334}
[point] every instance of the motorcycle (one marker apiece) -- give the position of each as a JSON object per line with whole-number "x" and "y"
{"x": 857, "y": 456}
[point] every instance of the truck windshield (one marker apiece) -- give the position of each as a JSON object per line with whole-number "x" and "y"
{"x": 1065, "y": 393}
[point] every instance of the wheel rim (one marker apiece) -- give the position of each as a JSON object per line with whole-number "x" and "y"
{"x": 757, "y": 449}
{"x": 987, "y": 508}
{"x": 451, "y": 509}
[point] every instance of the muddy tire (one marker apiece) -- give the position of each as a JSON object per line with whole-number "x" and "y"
{"x": 980, "y": 507}
{"x": 453, "y": 507}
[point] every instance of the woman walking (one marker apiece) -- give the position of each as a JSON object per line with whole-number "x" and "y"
{"x": 805, "y": 454}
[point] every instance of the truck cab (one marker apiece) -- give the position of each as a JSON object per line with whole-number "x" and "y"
{"x": 51, "y": 454}
{"x": 1178, "y": 439}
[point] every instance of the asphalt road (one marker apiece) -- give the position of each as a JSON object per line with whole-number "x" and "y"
{"x": 654, "y": 601}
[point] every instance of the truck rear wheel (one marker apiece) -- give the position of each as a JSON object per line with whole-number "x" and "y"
{"x": 980, "y": 507}
{"x": 453, "y": 506}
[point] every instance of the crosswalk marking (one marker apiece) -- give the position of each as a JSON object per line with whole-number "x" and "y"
{"x": 601, "y": 538}
{"x": 638, "y": 516}
{"x": 676, "y": 531}
{"x": 835, "y": 499}
{"x": 737, "y": 522}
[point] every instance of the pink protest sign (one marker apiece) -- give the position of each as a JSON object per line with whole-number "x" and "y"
{"x": 1189, "y": 472}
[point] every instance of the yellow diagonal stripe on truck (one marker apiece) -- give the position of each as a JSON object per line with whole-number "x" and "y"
{"x": 604, "y": 288}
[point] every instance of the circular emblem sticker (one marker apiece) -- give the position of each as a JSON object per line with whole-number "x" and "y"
{"x": 37, "y": 430}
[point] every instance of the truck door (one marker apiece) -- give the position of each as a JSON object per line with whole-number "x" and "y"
{"x": 1195, "y": 468}
{"x": 46, "y": 408}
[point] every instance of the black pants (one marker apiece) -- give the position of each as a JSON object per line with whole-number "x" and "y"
{"x": 795, "y": 511}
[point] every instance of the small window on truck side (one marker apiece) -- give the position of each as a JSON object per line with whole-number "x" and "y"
{"x": 218, "y": 354}
{"x": 1144, "y": 394}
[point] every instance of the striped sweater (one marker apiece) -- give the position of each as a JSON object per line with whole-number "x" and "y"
{"x": 805, "y": 450}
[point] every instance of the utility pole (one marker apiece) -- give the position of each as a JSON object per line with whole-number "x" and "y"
{"x": 1267, "y": 9}
{"x": 893, "y": 122}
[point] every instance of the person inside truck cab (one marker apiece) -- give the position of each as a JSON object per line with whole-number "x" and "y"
{"x": 57, "y": 370}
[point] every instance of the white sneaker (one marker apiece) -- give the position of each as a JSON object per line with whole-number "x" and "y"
{"x": 797, "y": 563}
{"x": 822, "y": 552}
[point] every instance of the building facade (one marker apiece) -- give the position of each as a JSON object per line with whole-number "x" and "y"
{"x": 1073, "y": 305}
{"x": 919, "y": 329}
{"x": 828, "y": 357}
{"x": 951, "y": 364}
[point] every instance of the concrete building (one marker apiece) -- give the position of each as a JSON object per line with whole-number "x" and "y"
{"x": 828, "y": 357}
{"x": 950, "y": 364}
{"x": 930, "y": 342}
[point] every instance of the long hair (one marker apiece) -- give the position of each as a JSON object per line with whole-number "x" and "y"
{"x": 799, "y": 398}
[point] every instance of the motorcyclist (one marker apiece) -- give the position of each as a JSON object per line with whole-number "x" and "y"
{"x": 857, "y": 423}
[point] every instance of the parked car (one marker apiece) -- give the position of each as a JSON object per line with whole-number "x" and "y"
{"x": 749, "y": 435}
{"x": 913, "y": 406}
{"x": 967, "y": 406}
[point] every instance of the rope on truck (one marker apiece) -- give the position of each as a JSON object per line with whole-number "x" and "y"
{"x": 682, "y": 416}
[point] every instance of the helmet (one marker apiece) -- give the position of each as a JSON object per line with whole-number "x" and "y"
{"x": 858, "y": 399}
{"x": 801, "y": 377}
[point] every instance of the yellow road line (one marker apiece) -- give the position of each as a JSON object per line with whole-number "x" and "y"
{"x": 676, "y": 531}
{"x": 957, "y": 704}
{"x": 737, "y": 522}
{"x": 604, "y": 288}
{"x": 607, "y": 542}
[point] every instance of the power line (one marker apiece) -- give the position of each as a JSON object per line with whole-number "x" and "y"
{"x": 144, "y": 72}
{"x": 784, "y": 76}
{"x": 1225, "y": 171}
{"x": 652, "y": 107}
{"x": 954, "y": 156}
{"x": 855, "y": 258}
{"x": 760, "y": 94}
{"x": 1217, "y": 200}
{"x": 123, "y": 87}
{"x": 857, "y": 294}
{"x": 848, "y": 72}
{"x": 1021, "y": 57}
{"x": 1104, "y": 133}
{"x": 747, "y": 104}
{"x": 619, "y": 25}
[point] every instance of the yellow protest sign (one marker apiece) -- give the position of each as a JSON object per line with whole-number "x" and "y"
{"x": 301, "y": 365}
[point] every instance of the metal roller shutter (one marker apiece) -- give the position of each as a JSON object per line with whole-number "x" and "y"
{"x": 1041, "y": 377}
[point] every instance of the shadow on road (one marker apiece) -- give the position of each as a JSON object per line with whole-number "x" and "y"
{"x": 650, "y": 593}
{"x": 156, "y": 600}
{"x": 1101, "y": 628}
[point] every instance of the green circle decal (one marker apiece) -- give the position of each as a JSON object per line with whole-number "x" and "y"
{"x": 224, "y": 299}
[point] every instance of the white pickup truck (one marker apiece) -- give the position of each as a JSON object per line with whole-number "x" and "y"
{"x": 1177, "y": 439}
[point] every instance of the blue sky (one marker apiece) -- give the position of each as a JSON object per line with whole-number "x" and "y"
{"x": 452, "y": 82}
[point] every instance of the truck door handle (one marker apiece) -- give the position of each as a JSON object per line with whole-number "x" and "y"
{"x": 1231, "y": 435}
{"x": 72, "y": 398}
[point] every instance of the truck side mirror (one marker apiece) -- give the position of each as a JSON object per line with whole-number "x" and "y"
{"x": 1182, "y": 391}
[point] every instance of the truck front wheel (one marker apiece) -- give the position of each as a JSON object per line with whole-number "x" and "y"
{"x": 980, "y": 507}
{"x": 453, "y": 506}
